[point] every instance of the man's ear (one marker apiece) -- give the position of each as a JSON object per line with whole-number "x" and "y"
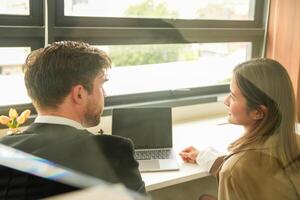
{"x": 78, "y": 94}
{"x": 260, "y": 112}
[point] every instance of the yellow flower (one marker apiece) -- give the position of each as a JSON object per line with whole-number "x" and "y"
{"x": 13, "y": 120}
{"x": 13, "y": 113}
{"x": 23, "y": 117}
{"x": 4, "y": 119}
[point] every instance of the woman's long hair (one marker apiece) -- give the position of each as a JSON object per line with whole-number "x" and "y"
{"x": 266, "y": 82}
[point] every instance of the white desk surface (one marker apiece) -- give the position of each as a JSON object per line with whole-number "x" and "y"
{"x": 201, "y": 134}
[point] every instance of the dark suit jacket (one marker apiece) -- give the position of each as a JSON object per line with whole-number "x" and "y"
{"x": 107, "y": 157}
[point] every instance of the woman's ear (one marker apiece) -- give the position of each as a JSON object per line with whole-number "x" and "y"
{"x": 260, "y": 112}
{"x": 78, "y": 94}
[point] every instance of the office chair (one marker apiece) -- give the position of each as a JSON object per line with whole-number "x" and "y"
{"x": 17, "y": 185}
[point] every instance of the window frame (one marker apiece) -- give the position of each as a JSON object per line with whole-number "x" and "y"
{"x": 109, "y": 31}
{"x": 35, "y": 17}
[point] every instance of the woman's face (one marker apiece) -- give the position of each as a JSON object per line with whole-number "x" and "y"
{"x": 237, "y": 108}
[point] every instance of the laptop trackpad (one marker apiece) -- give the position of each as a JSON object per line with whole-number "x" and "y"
{"x": 148, "y": 164}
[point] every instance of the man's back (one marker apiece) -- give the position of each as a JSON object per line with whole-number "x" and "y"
{"x": 106, "y": 157}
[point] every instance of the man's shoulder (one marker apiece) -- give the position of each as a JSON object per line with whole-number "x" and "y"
{"x": 113, "y": 139}
{"x": 54, "y": 130}
{"x": 46, "y": 134}
{"x": 114, "y": 145}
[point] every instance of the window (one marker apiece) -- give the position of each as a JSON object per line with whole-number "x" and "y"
{"x": 14, "y": 7}
{"x": 21, "y": 13}
{"x": 161, "y": 50}
{"x": 178, "y": 9}
{"x": 11, "y": 77}
{"x": 158, "y": 67}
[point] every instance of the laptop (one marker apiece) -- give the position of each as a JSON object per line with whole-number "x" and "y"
{"x": 150, "y": 129}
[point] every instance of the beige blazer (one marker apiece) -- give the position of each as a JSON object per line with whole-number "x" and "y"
{"x": 253, "y": 174}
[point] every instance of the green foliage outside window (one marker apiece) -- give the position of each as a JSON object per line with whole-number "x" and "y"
{"x": 129, "y": 55}
{"x": 150, "y": 9}
{"x": 149, "y": 54}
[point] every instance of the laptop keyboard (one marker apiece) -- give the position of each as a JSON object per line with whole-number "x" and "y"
{"x": 153, "y": 154}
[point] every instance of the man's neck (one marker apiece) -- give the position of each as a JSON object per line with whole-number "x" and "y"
{"x": 68, "y": 114}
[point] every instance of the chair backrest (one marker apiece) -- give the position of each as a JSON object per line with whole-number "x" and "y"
{"x": 15, "y": 184}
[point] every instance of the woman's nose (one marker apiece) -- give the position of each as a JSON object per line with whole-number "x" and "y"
{"x": 226, "y": 100}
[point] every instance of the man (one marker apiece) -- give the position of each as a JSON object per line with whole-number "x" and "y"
{"x": 65, "y": 83}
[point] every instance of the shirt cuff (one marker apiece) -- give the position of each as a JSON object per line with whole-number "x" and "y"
{"x": 206, "y": 158}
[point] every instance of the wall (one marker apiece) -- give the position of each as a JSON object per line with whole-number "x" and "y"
{"x": 283, "y": 39}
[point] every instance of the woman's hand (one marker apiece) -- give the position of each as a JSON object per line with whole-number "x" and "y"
{"x": 189, "y": 154}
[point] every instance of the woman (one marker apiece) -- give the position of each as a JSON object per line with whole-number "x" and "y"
{"x": 264, "y": 162}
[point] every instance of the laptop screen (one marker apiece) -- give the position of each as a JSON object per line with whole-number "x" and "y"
{"x": 146, "y": 127}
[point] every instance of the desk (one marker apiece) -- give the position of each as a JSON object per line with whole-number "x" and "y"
{"x": 201, "y": 134}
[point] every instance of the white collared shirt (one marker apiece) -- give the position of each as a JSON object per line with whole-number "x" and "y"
{"x": 207, "y": 157}
{"x": 51, "y": 119}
